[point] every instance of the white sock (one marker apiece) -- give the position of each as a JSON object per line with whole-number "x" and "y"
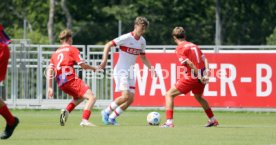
{"x": 212, "y": 119}
{"x": 111, "y": 107}
{"x": 169, "y": 121}
{"x": 84, "y": 120}
{"x": 116, "y": 113}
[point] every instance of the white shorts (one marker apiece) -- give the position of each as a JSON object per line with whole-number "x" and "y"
{"x": 123, "y": 83}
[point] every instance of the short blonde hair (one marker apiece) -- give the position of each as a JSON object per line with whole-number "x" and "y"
{"x": 141, "y": 20}
{"x": 179, "y": 33}
{"x": 65, "y": 34}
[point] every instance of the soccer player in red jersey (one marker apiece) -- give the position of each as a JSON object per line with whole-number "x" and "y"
{"x": 11, "y": 121}
{"x": 194, "y": 80}
{"x": 131, "y": 45}
{"x": 61, "y": 65}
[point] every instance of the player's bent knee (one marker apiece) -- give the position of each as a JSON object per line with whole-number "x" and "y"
{"x": 126, "y": 97}
{"x": 130, "y": 99}
{"x": 92, "y": 97}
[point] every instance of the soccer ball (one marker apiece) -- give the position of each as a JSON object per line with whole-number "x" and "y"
{"x": 153, "y": 118}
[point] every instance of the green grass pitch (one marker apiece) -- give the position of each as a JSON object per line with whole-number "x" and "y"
{"x": 41, "y": 127}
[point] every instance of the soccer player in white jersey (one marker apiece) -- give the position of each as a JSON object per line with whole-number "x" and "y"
{"x": 130, "y": 46}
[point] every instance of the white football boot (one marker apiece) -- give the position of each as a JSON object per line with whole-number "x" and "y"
{"x": 86, "y": 123}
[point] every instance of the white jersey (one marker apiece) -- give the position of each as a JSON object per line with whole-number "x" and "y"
{"x": 130, "y": 48}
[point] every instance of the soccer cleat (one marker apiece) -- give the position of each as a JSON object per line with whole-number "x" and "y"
{"x": 63, "y": 116}
{"x": 86, "y": 123}
{"x": 212, "y": 123}
{"x": 9, "y": 129}
{"x": 105, "y": 117}
{"x": 112, "y": 121}
{"x": 165, "y": 125}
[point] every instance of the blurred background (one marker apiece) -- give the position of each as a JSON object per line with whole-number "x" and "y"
{"x": 207, "y": 22}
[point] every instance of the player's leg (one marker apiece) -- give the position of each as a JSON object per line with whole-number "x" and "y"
{"x": 124, "y": 102}
{"x": 207, "y": 109}
{"x": 127, "y": 87}
{"x": 11, "y": 121}
{"x": 129, "y": 95}
{"x": 113, "y": 105}
{"x": 129, "y": 101}
{"x": 107, "y": 111}
{"x": 75, "y": 102}
{"x": 182, "y": 86}
{"x": 170, "y": 95}
{"x": 122, "y": 85}
{"x": 91, "y": 99}
{"x": 70, "y": 107}
{"x": 117, "y": 102}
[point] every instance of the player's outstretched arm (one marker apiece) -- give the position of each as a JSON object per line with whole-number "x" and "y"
{"x": 145, "y": 61}
{"x": 148, "y": 64}
{"x": 107, "y": 48}
{"x": 86, "y": 66}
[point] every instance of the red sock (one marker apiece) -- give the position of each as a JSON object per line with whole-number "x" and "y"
{"x": 169, "y": 114}
{"x": 70, "y": 107}
{"x": 86, "y": 114}
{"x": 5, "y": 112}
{"x": 209, "y": 113}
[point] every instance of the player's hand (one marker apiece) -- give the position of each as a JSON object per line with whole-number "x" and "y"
{"x": 98, "y": 69}
{"x": 154, "y": 73}
{"x": 102, "y": 65}
{"x": 205, "y": 79}
{"x": 50, "y": 93}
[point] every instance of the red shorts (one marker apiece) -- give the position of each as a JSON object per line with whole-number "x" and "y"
{"x": 76, "y": 88}
{"x": 185, "y": 85}
{"x": 4, "y": 60}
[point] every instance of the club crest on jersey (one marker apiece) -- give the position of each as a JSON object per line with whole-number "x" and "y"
{"x": 143, "y": 46}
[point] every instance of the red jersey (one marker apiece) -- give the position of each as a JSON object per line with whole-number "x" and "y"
{"x": 63, "y": 60}
{"x": 189, "y": 51}
{"x": 4, "y": 60}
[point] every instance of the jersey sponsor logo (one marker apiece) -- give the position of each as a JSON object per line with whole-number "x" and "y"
{"x": 131, "y": 50}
